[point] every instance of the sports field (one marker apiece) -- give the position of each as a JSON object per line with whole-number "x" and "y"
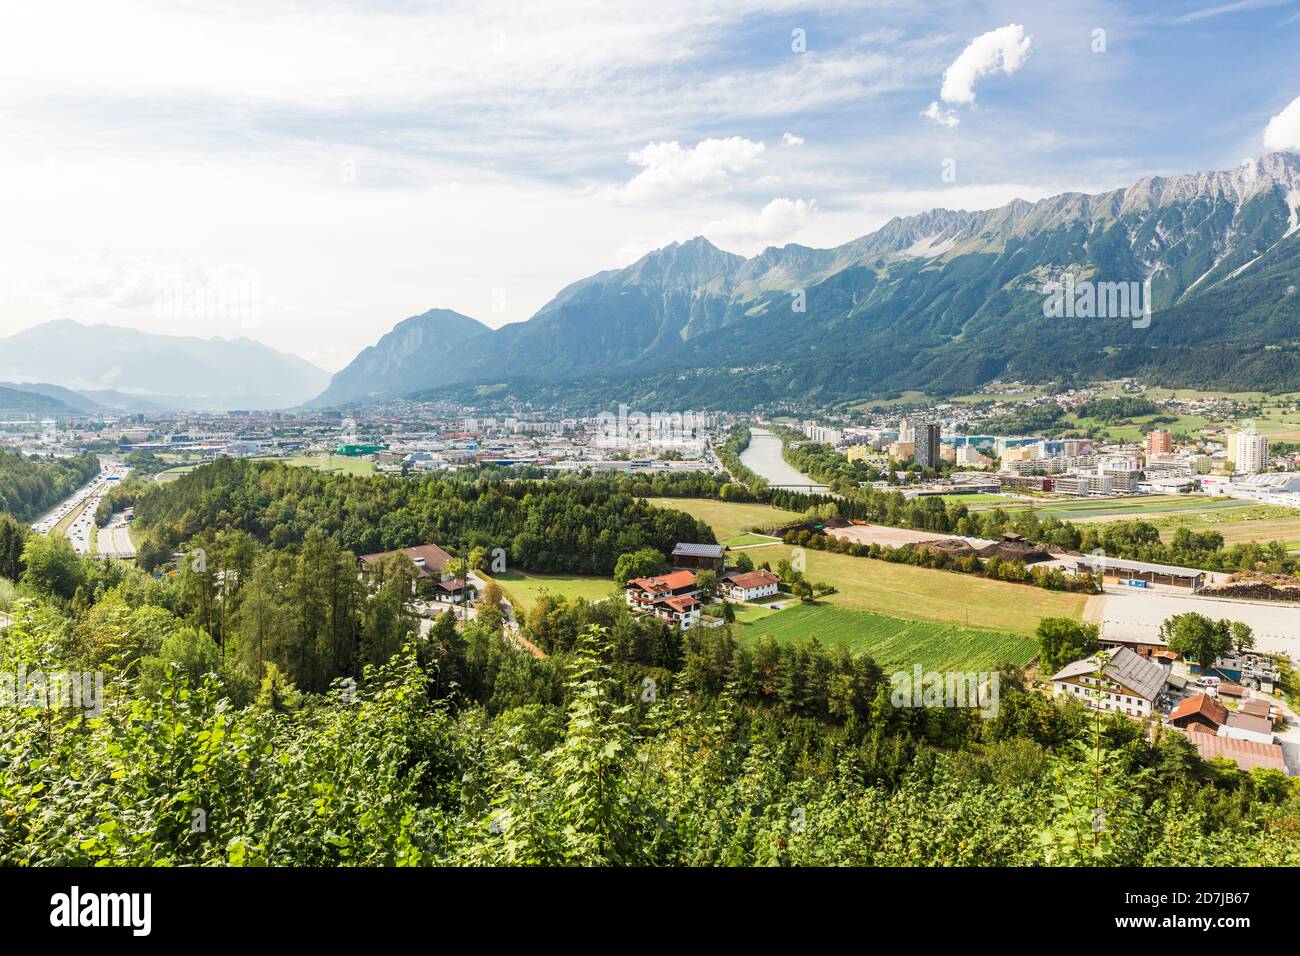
{"x": 729, "y": 518}
{"x": 900, "y": 590}
{"x": 893, "y": 642}
{"x": 523, "y": 589}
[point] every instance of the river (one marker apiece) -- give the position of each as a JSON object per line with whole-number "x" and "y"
{"x": 763, "y": 456}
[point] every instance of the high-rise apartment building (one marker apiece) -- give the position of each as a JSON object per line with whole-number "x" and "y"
{"x": 1159, "y": 442}
{"x": 1252, "y": 452}
{"x": 927, "y": 445}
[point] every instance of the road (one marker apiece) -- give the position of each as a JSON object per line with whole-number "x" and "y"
{"x": 115, "y": 539}
{"x": 763, "y": 457}
{"x": 75, "y": 515}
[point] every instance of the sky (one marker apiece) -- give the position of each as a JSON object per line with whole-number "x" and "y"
{"x": 308, "y": 174}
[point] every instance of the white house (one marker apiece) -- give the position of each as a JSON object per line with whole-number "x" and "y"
{"x": 684, "y": 611}
{"x": 1128, "y": 684}
{"x": 750, "y": 585}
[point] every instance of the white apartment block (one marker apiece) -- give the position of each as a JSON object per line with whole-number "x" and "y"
{"x": 1251, "y": 452}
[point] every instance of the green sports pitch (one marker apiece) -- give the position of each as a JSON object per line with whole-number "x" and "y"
{"x": 894, "y": 642}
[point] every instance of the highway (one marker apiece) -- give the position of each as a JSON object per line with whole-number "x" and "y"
{"x": 75, "y": 516}
{"x": 115, "y": 539}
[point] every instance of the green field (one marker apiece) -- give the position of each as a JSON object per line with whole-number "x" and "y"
{"x": 747, "y": 539}
{"x": 893, "y": 642}
{"x": 1135, "y": 429}
{"x": 729, "y": 518}
{"x": 1239, "y": 520}
{"x": 900, "y": 590}
{"x": 331, "y": 464}
{"x": 749, "y": 613}
{"x": 990, "y": 501}
{"x": 171, "y": 474}
{"x": 523, "y": 589}
{"x": 1139, "y": 506}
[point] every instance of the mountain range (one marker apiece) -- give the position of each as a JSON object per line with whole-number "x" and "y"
{"x": 121, "y": 369}
{"x": 942, "y": 301}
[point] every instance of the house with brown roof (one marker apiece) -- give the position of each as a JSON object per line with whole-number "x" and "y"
{"x": 672, "y": 584}
{"x": 429, "y": 559}
{"x": 670, "y": 597}
{"x": 682, "y": 611}
{"x": 1246, "y": 754}
{"x": 1258, "y": 708}
{"x": 1201, "y": 711}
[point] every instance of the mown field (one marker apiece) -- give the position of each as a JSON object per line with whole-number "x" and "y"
{"x": 899, "y": 590}
{"x": 1138, "y": 506}
{"x": 523, "y": 589}
{"x": 896, "y": 643}
{"x": 748, "y": 539}
{"x": 332, "y": 464}
{"x": 729, "y": 519}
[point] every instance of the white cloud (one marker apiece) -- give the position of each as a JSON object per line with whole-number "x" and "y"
{"x": 1002, "y": 49}
{"x": 1283, "y": 130}
{"x": 789, "y": 139}
{"x": 948, "y": 118}
{"x": 779, "y": 222}
{"x": 669, "y": 169}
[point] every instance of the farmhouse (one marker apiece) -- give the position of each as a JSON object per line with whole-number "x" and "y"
{"x": 684, "y": 611}
{"x": 1128, "y": 684}
{"x": 700, "y": 557}
{"x": 750, "y": 585}
{"x": 670, "y": 597}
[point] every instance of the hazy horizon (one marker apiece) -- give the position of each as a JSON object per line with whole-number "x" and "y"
{"x": 342, "y": 178}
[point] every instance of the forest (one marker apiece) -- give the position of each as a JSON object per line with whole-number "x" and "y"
{"x": 574, "y": 527}
{"x": 264, "y": 704}
{"x": 29, "y": 487}
{"x": 461, "y": 749}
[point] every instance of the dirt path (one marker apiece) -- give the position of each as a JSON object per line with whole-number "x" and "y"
{"x": 1094, "y": 612}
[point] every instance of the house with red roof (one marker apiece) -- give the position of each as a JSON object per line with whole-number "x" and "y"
{"x": 750, "y": 585}
{"x": 670, "y": 597}
{"x": 1201, "y": 711}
